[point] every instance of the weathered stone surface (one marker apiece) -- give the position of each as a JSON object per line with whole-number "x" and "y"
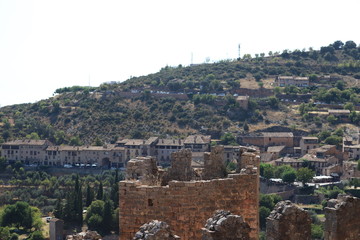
{"x": 180, "y": 169}
{"x": 88, "y": 235}
{"x": 185, "y": 206}
{"x": 342, "y": 218}
{"x": 288, "y": 222}
{"x": 225, "y": 226}
{"x": 248, "y": 158}
{"x": 143, "y": 169}
{"x": 214, "y": 166}
{"x": 155, "y": 230}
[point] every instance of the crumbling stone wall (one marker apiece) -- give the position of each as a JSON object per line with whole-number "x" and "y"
{"x": 180, "y": 169}
{"x": 247, "y": 159}
{"x": 143, "y": 169}
{"x": 288, "y": 222}
{"x": 155, "y": 230}
{"x": 186, "y": 205}
{"x": 342, "y": 219}
{"x": 225, "y": 226}
{"x": 214, "y": 166}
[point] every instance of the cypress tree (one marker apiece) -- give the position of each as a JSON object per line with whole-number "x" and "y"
{"x": 89, "y": 195}
{"x": 58, "y": 211}
{"x": 68, "y": 211}
{"x": 100, "y": 193}
{"x": 107, "y": 217}
{"x": 115, "y": 190}
{"x": 78, "y": 206}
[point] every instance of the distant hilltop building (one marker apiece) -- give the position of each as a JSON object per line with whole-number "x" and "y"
{"x": 283, "y": 81}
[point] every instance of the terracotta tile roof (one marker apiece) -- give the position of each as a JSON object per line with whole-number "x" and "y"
{"x": 26, "y": 142}
{"x": 277, "y": 134}
{"x": 199, "y": 139}
{"x": 170, "y": 142}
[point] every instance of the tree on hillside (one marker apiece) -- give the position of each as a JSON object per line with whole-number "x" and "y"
{"x": 228, "y": 139}
{"x": 338, "y": 45}
{"x": 21, "y": 214}
{"x": 334, "y": 140}
{"x": 289, "y": 176}
{"x": 304, "y": 175}
{"x": 349, "y": 45}
{"x": 98, "y": 142}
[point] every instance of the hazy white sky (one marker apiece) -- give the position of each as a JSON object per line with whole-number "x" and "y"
{"x": 47, "y": 44}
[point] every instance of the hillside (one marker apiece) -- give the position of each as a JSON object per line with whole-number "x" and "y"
{"x": 177, "y": 101}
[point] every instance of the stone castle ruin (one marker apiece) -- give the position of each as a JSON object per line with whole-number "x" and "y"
{"x": 342, "y": 218}
{"x": 186, "y": 199}
{"x": 288, "y": 221}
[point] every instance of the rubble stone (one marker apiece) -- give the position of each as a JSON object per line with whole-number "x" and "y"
{"x": 342, "y": 218}
{"x": 288, "y": 222}
{"x": 225, "y": 226}
{"x": 88, "y": 235}
{"x": 155, "y": 230}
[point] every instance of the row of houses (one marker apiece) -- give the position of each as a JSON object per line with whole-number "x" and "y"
{"x": 43, "y": 152}
{"x": 283, "y": 148}
{"x": 283, "y": 81}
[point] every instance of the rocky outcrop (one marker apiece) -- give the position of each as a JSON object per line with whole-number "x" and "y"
{"x": 225, "y": 226}
{"x": 288, "y": 222}
{"x": 155, "y": 230}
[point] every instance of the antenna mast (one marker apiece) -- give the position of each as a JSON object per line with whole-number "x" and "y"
{"x": 239, "y": 51}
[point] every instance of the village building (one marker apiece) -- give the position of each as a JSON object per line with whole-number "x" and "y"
{"x": 267, "y": 139}
{"x": 231, "y": 153}
{"x": 350, "y": 170}
{"x": 328, "y": 150}
{"x": 307, "y": 143}
{"x": 276, "y": 151}
{"x": 283, "y": 81}
{"x": 90, "y": 156}
{"x": 353, "y": 150}
{"x": 198, "y": 143}
{"x": 26, "y": 151}
{"x": 164, "y": 148}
